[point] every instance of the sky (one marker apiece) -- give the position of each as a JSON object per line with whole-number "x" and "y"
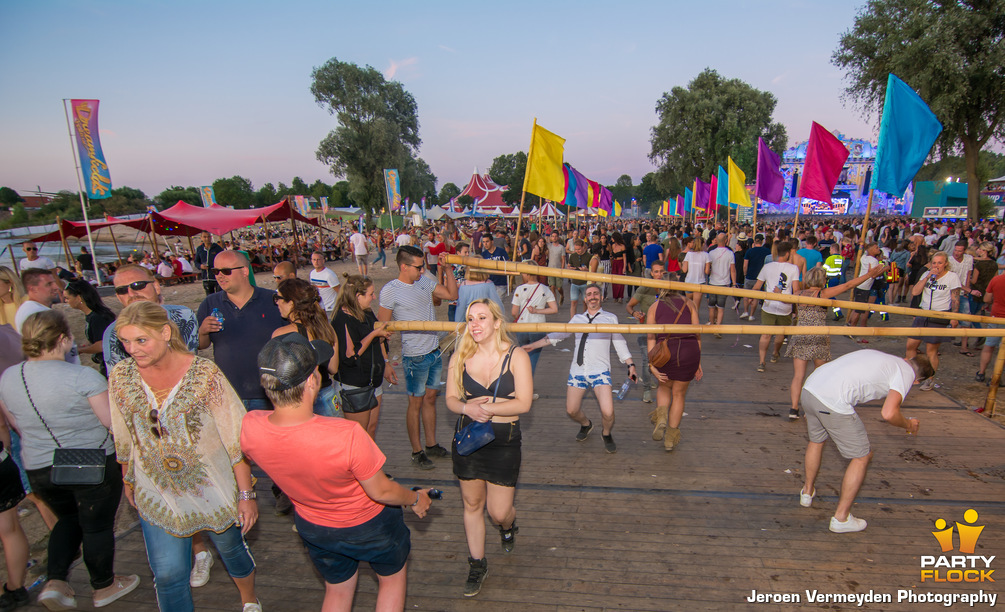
{"x": 195, "y": 91}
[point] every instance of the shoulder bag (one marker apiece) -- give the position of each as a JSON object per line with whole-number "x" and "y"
{"x": 660, "y": 354}
{"x": 475, "y": 435}
{"x": 362, "y": 399}
{"x": 72, "y": 466}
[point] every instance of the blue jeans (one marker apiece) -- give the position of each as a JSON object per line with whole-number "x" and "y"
{"x": 422, "y": 373}
{"x": 170, "y": 560}
{"x": 326, "y": 403}
{"x": 524, "y": 338}
{"x": 383, "y": 541}
{"x": 381, "y": 256}
{"x": 256, "y": 404}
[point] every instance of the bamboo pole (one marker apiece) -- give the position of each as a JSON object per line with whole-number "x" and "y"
{"x": 118, "y": 256}
{"x": 13, "y": 261}
{"x": 62, "y": 239}
{"x": 191, "y": 249}
{"x": 597, "y": 277}
{"x": 865, "y": 231}
{"x": 637, "y": 328}
{"x": 989, "y": 401}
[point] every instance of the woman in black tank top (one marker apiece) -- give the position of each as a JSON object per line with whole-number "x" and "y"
{"x": 300, "y": 304}
{"x": 489, "y": 379}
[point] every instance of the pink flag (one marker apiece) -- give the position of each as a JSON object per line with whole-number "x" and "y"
{"x": 825, "y": 157}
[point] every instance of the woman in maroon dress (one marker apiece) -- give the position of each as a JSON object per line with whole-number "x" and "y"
{"x": 618, "y": 264}
{"x": 683, "y": 367}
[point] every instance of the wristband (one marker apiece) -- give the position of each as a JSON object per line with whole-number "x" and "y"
{"x": 416, "y": 500}
{"x": 246, "y": 495}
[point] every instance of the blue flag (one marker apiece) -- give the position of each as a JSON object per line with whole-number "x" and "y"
{"x": 688, "y": 200}
{"x": 722, "y": 189}
{"x": 907, "y": 132}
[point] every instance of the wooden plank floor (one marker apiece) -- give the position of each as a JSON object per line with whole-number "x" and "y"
{"x": 696, "y": 529}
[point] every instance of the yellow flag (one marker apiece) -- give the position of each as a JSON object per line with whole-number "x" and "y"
{"x": 544, "y": 165}
{"x": 738, "y": 193}
{"x": 617, "y": 208}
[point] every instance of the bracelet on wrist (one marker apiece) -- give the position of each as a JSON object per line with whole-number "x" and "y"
{"x": 417, "y": 496}
{"x": 246, "y": 495}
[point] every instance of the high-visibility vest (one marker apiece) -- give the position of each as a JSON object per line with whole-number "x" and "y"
{"x": 832, "y": 265}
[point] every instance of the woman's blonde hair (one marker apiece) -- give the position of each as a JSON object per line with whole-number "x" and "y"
{"x": 151, "y": 318}
{"x": 348, "y": 296}
{"x": 989, "y": 248}
{"x": 16, "y": 291}
{"x": 815, "y": 277}
{"x": 42, "y": 331}
{"x": 466, "y": 345}
{"x": 475, "y": 275}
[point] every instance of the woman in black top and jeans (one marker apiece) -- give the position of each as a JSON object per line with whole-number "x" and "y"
{"x": 362, "y": 345}
{"x": 82, "y": 296}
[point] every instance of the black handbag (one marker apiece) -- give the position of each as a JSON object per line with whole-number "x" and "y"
{"x": 72, "y": 466}
{"x": 475, "y": 435}
{"x": 362, "y": 399}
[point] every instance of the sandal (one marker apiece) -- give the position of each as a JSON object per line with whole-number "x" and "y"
{"x": 967, "y": 353}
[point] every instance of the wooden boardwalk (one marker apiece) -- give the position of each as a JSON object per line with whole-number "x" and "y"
{"x": 696, "y": 529}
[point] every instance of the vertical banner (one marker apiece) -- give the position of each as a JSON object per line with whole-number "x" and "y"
{"x": 97, "y": 180}
{"x": 393, "y": 187}
{"x": 324, "y": 204}
{"x": 301, "y": 203}
{"x": 208, "y": 196}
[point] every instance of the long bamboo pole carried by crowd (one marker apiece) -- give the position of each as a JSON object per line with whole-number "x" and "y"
{"x": 597, "y": 277}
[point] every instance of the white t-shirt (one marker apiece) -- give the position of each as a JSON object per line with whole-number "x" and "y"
{"x": 696, "y": 261}
{"x": 539, "y": 296}
{"x": 358, "y": 242}
{"x": 165, "y": 270}
{"x": 778, "y": 274}
{"x": 859, "y": 377}
{"x": 43, "y": 263}
{"x": 186, "y": 266}
{"x": 962, "y": 269}
{"x": 938, "y": 293}
{"x": 402, "y": 240}
{"x": 430, "y": 258}
{"x": 721, "y": 258}
{"x": 327, "y": 283}
{"x": 868, "y": 263}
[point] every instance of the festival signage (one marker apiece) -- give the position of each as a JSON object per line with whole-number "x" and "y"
{"x": 97, "y": 180}
{"x": 393, "y": 186}
{"x": 208, "y": 196}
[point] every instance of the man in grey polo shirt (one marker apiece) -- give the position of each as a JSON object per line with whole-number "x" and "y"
{"x": 410, "y": 298}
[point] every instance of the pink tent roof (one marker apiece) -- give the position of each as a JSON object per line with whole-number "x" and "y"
{"x": 485, "y": 192}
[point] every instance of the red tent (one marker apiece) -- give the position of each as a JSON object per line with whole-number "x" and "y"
{"x": 485, "y": 192}
{"x": 186, "y": 220}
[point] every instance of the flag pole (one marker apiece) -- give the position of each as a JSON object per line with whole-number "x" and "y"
{"x": 795, "y": 224}
{"x": 865, "y": 229}
{"x": 523, "y": 194}
{"x": 80, "y": 187}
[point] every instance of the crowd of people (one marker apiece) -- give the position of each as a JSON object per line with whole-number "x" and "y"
{"x": 297, "y": 374}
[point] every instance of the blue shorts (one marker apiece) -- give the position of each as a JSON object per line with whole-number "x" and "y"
{"x": 577, "y": 292}
{"x": 422, "y": 373}
{"x": 993, "y": 340}
{"x": 588, "y": 381}
{"x": 384, "y": 542}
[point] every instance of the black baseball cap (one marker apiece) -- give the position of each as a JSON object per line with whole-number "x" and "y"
{"x": 291, "y": 358}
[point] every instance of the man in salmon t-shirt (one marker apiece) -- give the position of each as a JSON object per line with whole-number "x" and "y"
{"x": 347, "y": 509}
{"x": 994, "y": 295}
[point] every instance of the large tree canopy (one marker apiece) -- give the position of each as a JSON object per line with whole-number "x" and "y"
{"x": 378, "y": 128}
{"x": 235, "y": 191}
{"x": 699, "y": 126}
{"x": 951, "y": 52}
{"x": 509, "y": 170}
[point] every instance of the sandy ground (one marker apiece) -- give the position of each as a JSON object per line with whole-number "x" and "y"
{"x": 955, "y": 378}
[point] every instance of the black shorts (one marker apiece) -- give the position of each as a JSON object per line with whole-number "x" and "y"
{"x": 931, "y": 322}
{"x": 497, "y": 462}
{"x": 860, "y": 295}
{"x": 11, "y": 489}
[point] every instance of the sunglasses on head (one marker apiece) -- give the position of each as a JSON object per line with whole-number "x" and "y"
{"x": 137, "y": 286}
{"x": 226, "y": 271}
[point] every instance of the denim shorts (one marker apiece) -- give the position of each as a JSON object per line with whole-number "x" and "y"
{"x": 993, "y": 340}
{"x": 384, "y": 542}
{"x": 326, "y": 403}
{"x": 588, "y": 381}
{"x": 577, "y": 292}
{"x": 422, "y": 373}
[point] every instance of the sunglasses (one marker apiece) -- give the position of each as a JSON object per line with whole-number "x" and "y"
{"x": 418, "y": 267}
{"x": 157, "y": 430}
{"x": 226, "y": 271}
{"x": 277, "y": 277}
{"x": 31, "y": 249}
{"x": 276, "y": 298}
{"x": 137, "y": 286}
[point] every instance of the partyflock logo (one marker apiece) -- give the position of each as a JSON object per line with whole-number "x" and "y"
{"x": 965, "y": 567}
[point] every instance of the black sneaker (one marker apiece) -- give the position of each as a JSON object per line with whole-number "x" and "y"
{"x": 584, "y": 432}
{"x": 609, "y": 444}
{"x": 508, "y": 537}
{"x": 421, "y": 461}
{"x": 478, "y": 568}
{"x": 437, "y": 452}
{"x": 793, "y": 414}
{"x": 979, "y": 377}
{"x": 13, "y": 599}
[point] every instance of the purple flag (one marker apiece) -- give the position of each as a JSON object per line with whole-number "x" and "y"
{"x": 606, "y": 202}
{"x": 581, "y": 194}
{"x": 770, "y": 182}
{"x": 701, "y": 194}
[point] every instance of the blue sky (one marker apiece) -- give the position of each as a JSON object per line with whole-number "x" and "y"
{"x": 195, "y": 91}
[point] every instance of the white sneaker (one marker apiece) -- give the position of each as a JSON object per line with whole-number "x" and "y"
{"x": 806, "y": 500}
{"x": 928, "y": 384}
{"x": 850, "y": 525}
{"x": 253, "y": 607}
{"x": 744, "y": 315}
{"x": 200, "y": 569}
{"x": 536, "y": 396}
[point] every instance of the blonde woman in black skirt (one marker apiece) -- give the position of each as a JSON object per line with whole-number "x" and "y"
{"x": 489, "y": 379}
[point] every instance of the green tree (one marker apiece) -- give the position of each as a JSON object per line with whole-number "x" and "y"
{"x": 9, "y": 197}
{"x": 123, "y": 201}
{"x": 378, "y": 128}
{"x": 235, "y": 191}
{"x": 699, "y": 126}
{"x": 340, "y": 196}
{"x": 649, "y": 193}
{"x": 623, "y": 189}
{"x": 319, "y": 189}
{"x": 170, "y": 196}
{"x": 508, "y": 170}
{"x": 417, "y": 182}
{"x": 266, "y": 195}
{"x": 448, "y": 191}
{"x": 299, "y": 187}
{"x": 989, "y": 165}
{"x": 18, "y": 217}
{"x": 951, "y": 52}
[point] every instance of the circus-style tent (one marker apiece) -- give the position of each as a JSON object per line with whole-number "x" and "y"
{"x": 484, "y": 191}
{"x": 549, "y": 210}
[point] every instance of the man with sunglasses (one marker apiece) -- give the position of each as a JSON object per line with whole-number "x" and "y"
{"x": 284, "y": 270}
{"x": 249, "y": 317}
{"x": 205, "y": 255}
{"x": 410, "y": 298}
{"x": 134, "y": 283}
{"x": 34, "y": 260}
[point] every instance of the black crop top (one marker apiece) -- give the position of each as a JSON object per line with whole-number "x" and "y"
{"x": 326, "y": 377}
{"x": 507, "y": 387}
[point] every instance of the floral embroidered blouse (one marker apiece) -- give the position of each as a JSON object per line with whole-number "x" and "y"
{"x": 181, "y": 463}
